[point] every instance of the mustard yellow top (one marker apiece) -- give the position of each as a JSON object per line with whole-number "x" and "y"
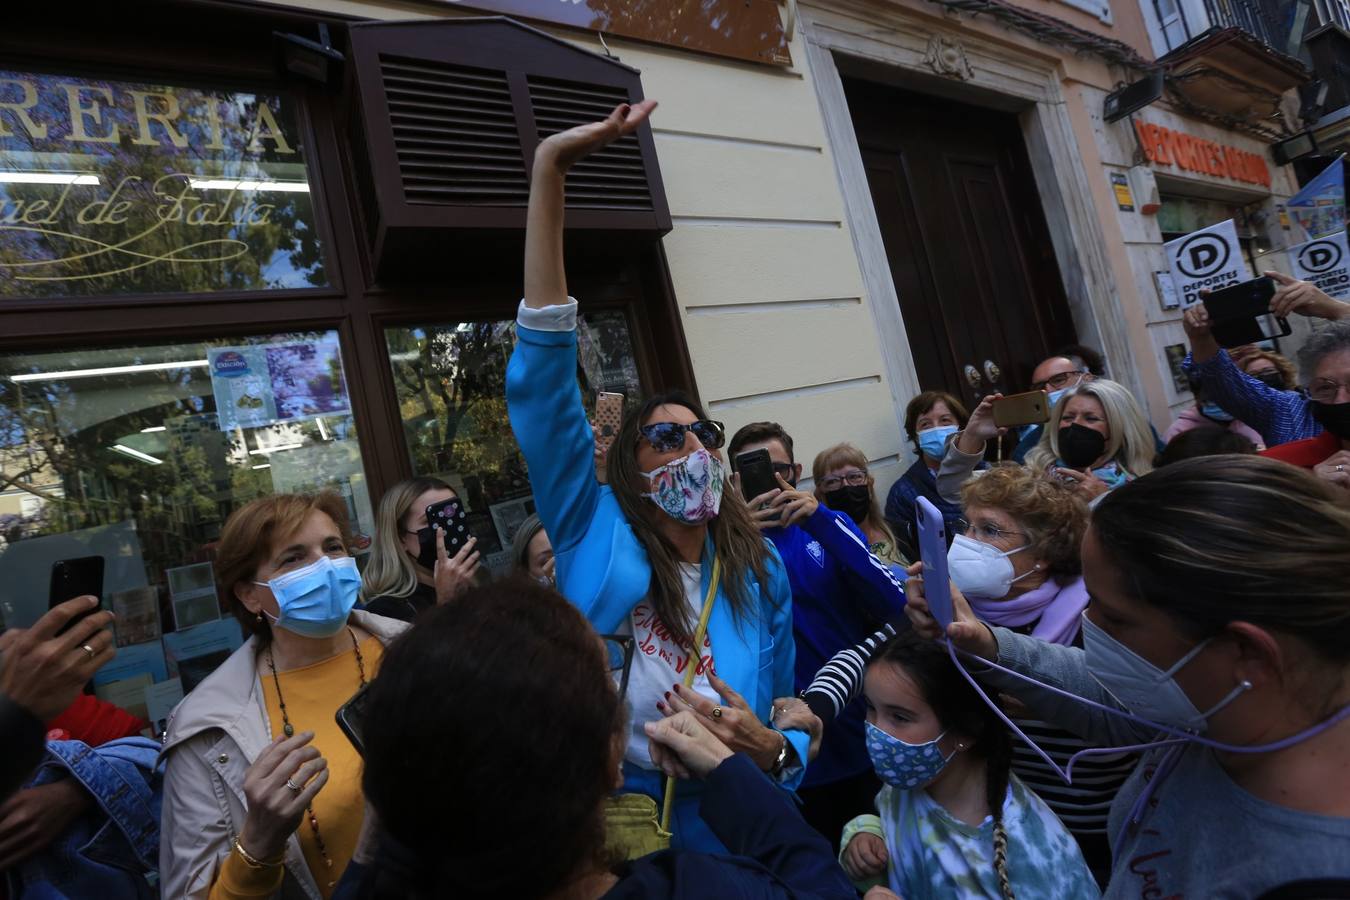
{"x": 313, "y": 694}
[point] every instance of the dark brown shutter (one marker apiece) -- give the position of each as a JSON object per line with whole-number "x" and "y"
{"x": 444, "y": 119}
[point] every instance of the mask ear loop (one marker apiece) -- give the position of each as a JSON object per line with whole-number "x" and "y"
{"x": 1175, "y": 743}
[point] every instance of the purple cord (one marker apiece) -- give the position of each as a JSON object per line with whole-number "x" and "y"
{"x": 1175, "y": 743}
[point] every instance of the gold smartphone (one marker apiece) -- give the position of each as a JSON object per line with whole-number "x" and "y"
{"x": 1031, "y": 408}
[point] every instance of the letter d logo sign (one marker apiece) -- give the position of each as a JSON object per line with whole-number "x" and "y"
{"x": 1202, "y": 255}
{"x": 1319, "y": 256}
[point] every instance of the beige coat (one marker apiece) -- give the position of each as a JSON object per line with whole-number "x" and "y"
{"x": 213, "y": 737}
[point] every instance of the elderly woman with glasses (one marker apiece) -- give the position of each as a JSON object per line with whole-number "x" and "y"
{"x": 660, "y": 553}
{"x": 1016, "y": 559}
{"x": 1285, "y": 416}
{"x": 844, "y": 485}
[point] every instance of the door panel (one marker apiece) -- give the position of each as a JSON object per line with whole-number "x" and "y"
{"x": 965, "y": 238}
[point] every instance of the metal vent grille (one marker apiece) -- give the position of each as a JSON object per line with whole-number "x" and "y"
{"x": 454, "y": 133}
{"x": 614, "y": 178}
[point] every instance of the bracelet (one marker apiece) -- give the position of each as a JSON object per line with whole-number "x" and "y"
{"x": 250, "y": 860}
{"x": 781, "y": 761}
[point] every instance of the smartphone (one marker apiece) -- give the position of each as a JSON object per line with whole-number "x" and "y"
{"x": 453, "y": 520}
{"x": 608, "y": 415}
{"x": 73, "y": 578}
{"x": 1240, "y": 314}
{"x": 756, "y": 473}
{"x": 1031, "y": 408}
{"x": 351, "y": 716}
{"x": 933, "y": 551}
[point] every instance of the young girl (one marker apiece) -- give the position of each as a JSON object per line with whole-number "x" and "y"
{"x": 953, "y": 821}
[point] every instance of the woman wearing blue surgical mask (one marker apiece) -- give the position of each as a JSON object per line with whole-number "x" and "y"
{"x": 262, "y": 791}
{"x": 660, "y": 545}
{"x": 1231, "y": 636}
{"x": 1205, "y": 413}
{"x": 952, "y": 820}
{"x": 930, "y": 420}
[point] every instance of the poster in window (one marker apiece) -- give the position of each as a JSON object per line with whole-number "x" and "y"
{"x": 193, "y": 592}
{"x": 136, "y": 613}
{"x": 193, "y": 654}
{"x": 268, "y": 383}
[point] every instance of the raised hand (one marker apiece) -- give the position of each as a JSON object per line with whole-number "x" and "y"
{"x": 280, "y": 784}
{"x": 792, "y": 505}
{"x": 454, "y": 576}
{"x": 1304, "y": 298}
{"x": 43, "y": 670}
{"x": 966, "y": 631}
{"x": 980, "y": 428}
{"x": 564, "y": 149}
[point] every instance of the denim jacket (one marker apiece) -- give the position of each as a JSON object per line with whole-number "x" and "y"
{"x": 109, "y": 851}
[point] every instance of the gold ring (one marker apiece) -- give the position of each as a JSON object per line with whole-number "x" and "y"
{"x": 717, "y": 712}
{"x": 90, "y": 650}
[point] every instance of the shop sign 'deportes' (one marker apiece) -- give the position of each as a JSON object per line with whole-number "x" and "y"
{"x": 1206, "y": 260}
{"x": 111, "y": 187}
{"x": 1166, "y": 147}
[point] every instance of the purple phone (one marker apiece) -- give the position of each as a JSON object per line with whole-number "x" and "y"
{"x": 933, "y": 551}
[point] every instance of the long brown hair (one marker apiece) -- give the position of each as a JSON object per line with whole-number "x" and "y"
{"x": 736, "y": 539}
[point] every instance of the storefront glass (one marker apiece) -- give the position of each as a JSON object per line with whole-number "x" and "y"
{"x": 451, "y": 386}
{"x": 111, "y": 187}
{"x": 138, "y": 454}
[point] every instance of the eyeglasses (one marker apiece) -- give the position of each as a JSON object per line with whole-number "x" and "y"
{"x": 619, "y": 649}
{"x": 987, "y": 530}
{"x": 784, "y": 469}
{"x": 1055, "y": 382}
{"x": 667, "y": 436}
{"x": 855, "y": 478}
{"x": 1324, "y": 390}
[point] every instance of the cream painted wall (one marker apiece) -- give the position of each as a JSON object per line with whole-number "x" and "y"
{"x": 774, "y": 311}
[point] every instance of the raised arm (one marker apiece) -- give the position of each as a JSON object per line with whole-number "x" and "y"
{"x": 840, "y": 679}
{"x": 545, "y": 279}
{"x": 542, "y": 397}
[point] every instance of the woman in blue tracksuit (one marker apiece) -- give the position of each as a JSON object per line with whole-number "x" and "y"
{"x": 637, "y": 555}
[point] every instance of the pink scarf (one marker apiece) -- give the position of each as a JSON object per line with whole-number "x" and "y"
{"x": 1054, "y": 608}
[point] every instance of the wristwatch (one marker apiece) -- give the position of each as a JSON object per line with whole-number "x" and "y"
{"x": 781, "y": 762}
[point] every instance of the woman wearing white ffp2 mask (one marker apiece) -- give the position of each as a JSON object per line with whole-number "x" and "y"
{"x": 1220, "y": 582}
{"x": 1017, "y": 561}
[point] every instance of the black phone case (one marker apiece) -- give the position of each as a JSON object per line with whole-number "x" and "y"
{"x": 1235, "y": 313}
{"x": 756, "y": 471}
{"x": 350, "y": 718}
{"x": 453, "y": 520}
{"x": 73, "y": 578}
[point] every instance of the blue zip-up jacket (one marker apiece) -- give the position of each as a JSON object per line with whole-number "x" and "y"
{"x": 602, "y": 567}
{"x": 840, "y": 594}
{"x": 107, "y": 852}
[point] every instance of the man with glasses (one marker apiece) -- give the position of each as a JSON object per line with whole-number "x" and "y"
{"x": 841, "y": 593}
{"x": 1307, "y": 423}
{"x": 1054, "y": 375}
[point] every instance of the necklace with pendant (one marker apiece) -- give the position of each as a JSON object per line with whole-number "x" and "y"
{"x": 289, "y": 731}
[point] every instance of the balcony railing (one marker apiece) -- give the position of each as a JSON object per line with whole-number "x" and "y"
{"x": 1280, "y": 24}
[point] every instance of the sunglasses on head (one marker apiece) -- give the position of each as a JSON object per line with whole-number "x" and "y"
{"x": 667, "y": 436}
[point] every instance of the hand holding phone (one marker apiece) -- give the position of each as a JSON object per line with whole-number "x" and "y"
{"x": 755, "y": 470}
{"x": 450, "y": 517}
{"x": 78, "y": 577}
{"x": 1240, "y": 313}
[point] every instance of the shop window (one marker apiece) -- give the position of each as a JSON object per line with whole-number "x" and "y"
{"x": 138, "y": 454}
{"x": 114, "y": 187}
{"x": 451, "y": 389}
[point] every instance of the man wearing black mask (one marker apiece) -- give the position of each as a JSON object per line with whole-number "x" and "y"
{"x": 1324, "y": 363}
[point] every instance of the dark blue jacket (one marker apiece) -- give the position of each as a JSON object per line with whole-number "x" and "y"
{"x": 776, "y": 855}
{"x": 902, "y": 504}
{"x": 840, "y": 594}
{"x": 109, "y": 851}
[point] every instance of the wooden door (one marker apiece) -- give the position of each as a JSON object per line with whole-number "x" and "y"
{"x": 966, "y": 240}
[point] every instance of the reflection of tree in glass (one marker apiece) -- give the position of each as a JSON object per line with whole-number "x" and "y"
{"x": 268, "y": 235}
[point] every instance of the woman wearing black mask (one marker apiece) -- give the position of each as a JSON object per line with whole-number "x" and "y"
{"x": 844, "y": 485}
{"x": 1324, "y": 361}
{"x": 1101, "y": 442}
{"x": 409, "y": 570}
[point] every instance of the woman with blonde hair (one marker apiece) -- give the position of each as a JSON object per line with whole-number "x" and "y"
{"x": 1101, "y": 441}
{"x": 262, "y": 791}
{"x": 409, "y": 569}
{"x": 844, "y": 485}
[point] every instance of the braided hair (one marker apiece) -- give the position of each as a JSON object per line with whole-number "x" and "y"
{"x": 959, "y": 708}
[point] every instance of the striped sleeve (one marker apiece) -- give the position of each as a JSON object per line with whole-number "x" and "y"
{"x": 840, "y": 679}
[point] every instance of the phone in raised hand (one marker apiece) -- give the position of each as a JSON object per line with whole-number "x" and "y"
{"x": 73, "y": 578}
{"x": 755, "y": 470}
{"x": 933, "y": 551}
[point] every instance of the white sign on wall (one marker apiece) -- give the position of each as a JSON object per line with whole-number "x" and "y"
{"x": 1325, "y": 262}
{"x": 1206, "y": 260}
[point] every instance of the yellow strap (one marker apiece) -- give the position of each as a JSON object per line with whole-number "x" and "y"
{"x": 694, "y": 659}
